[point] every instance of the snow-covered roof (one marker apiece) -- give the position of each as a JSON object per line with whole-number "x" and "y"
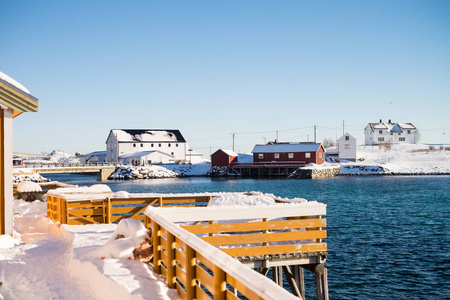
{"x": 147, "y": 135}
{"x": 15, "y": 96}
{"x": 228, "y": 152}
{"x": 392, "y": 127}
{"x": 142, "y": 154}
{"x": 95, "y": 153}
{"x": 284, "y": 148}
{"x": 15, "y": 84}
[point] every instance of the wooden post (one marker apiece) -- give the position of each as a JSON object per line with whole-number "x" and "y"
{"x": 108, "y": 211}
{"x": 291, "y": 281}
{"x": 299, "y": 278}
{"x": 156, "y": 246}
{"x": 219, "y": 292}
{"x": 190, "y": 273}
{"x": 170, "y": 260}
{"x": 160, "y": 201}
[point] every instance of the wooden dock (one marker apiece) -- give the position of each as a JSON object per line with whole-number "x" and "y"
{"x": 264, "y": 170}
{"x": 103, "y": 171}
{"x": 285, "y": 239}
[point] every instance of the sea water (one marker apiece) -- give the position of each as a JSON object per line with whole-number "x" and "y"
{"x": 388, "y": 237}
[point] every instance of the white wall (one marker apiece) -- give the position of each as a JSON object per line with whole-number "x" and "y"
{"x": 371, "y": 138}
{"x": 347, "y": 148}
{"x": 8, "y": 176}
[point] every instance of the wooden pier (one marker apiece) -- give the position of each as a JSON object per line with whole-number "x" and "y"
{"x": 285, "y": 239}
{"x": 103, "y": 171}
{"x": 264, "y": 170}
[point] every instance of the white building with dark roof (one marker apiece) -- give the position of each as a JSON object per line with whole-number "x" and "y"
{"x": 397, "y": 133}
{"x": 127, "y": 141}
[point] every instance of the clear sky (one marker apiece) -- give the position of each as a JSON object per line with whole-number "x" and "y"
{"x": 212, "y": 68}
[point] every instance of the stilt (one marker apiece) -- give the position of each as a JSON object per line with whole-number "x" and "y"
{"x": 291, "y": 281}
{"x": 300, "y": 279}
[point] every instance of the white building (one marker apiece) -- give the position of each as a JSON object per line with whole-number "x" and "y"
{"x": 397, "y": 133}
{"x": 15, "y": 99}
{"x": 146, "y": 158}
{"x": 347, "y": 147}
{"x": 93, "y": 157}
{"x": 128, "y": 141}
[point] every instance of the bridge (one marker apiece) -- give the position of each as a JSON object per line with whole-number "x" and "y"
{"x": 103, "y": 171}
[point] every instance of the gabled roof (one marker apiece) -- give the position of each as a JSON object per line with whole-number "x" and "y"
{"x": 147, "y": 135}
{"x": 16, "y": 96}
{"x": 142, "y": 154}
{"x": 392, "y": 127}
{"x": 343, "y": 137}
{"x": 284, "y": 148}
{"x": 227, "y": 152}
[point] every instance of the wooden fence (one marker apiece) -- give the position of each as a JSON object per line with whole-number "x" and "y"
{"x": 105, "y": 210}
{"x": 199, "y": 270}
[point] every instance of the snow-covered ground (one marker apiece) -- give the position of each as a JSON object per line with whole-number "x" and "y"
{"x": 400, "y": 159}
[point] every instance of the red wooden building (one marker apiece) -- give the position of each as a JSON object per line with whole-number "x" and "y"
{"x": 289, "y": 153}
{"x": 223, "y": 158}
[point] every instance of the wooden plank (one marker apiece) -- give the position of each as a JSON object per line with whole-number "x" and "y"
{"x": 181, "y": 291}
{"x": 87, "y": 211}
{"x": 180, "y": 258}
{"x": 277, "y": 249}
{"x": 180, "y": 275}
{"x": 204, "y": 261}
{"x": 156, "y": 246}
{"x": 255, "y": 226}
{"x": 204, "y": 278}
{"x": 115, "y": 219}
{"x": 201, "y": 294}
{"x": 220, "y": 286}
{"x": 190, "y": 274}
{"x": 231, "y": 296}
{"x": 265, "y": 238}
{"x": 244, "y": 290}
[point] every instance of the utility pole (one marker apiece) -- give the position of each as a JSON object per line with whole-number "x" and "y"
{"x": 233, "y": 140}
{"x": 343, "y": 130}
{"x": 276, "y": 140}
{"x": 315, "y": 127}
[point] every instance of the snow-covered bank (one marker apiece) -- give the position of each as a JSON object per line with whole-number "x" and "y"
{"x": 26, "y": 174}
{"x": 399, "y": 160}
{"x": 161, "y": 171}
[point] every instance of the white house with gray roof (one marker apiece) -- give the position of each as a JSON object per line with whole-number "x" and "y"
{"x": 397, "y": 133}
{"x": 122, "y": 142}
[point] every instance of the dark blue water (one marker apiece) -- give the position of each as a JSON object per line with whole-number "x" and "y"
{"x": 388, "y": 237}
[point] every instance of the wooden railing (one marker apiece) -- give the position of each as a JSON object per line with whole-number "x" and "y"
{"x": 105, "y": 210}
{"x": 198, "y": 270}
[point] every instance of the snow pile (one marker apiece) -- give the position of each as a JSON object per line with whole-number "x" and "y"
{"x": 25, "y": 174}
{"x": 28, "y": 186}
{"x": 239, "y": 200}
{"x": 129, "y": 234}
{"x": 128, "y": 172}
{"x": 42, "y": 261}
{"x": 96, "y": 191}
{"x": 198, "y": 169}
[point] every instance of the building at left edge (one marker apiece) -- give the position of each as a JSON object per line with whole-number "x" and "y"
{"x": 15, "y": 99}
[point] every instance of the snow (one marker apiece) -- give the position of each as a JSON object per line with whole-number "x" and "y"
{"x": 145, "y": 135}
{"x": 28, "y": 186}
{"x": 407, "y": 159}
{"x": 13, "y": 82}
{"x": 285, "y": 148}
{"x": 45, "y": 260}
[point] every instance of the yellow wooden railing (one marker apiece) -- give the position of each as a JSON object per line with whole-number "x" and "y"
{"x": 199, "y": 270}
{"x": 105, "y": 210}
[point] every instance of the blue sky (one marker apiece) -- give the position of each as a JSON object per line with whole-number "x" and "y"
{"x": 213, "y": 68}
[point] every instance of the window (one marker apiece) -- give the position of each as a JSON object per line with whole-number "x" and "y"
{"x": 392, "y": 133}
{"x": 276, "y": 155}
{"x": 159, "y": 145}
{"x": 142, "y": 145}
{"x": 320, "y": 155}
{"x": 381, "y": 139}
{"x": 380, "y": 131}
{"x": 347, "y": 146}
{"x": 176, "y": 145}
{"x": 409, "y": 131}
{"x": 399, "y": 133}
{"x": 260, "y": 156}
{"x": 169, "y": 145}
{"x": 134, "y": 145}
{"x": 291, "y": 155}
{"x": 307, "y": 155}
{"x": 171, "y": 153}
{"x": 152, "y": 145}
{"x": 347, "y": 138}
{"x": 402, "y": 139}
